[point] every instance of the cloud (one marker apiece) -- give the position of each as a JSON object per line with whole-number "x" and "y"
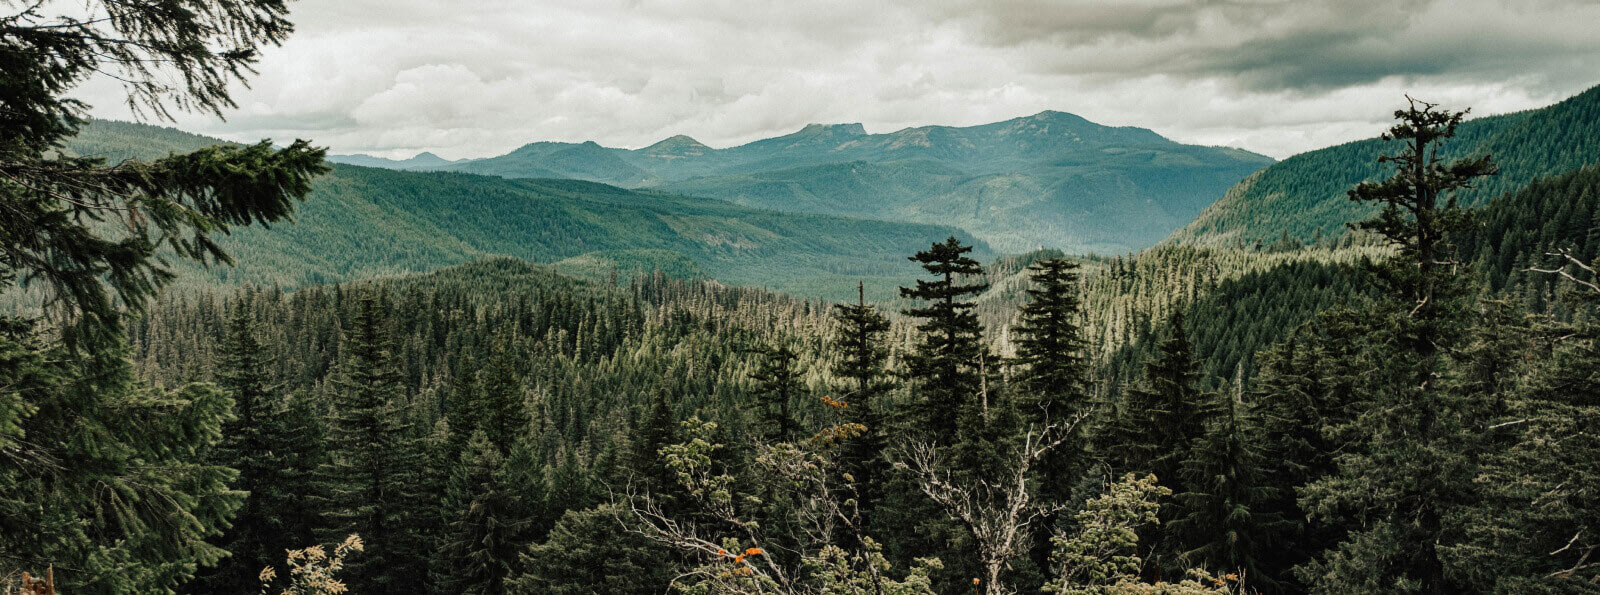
{"x": 480, "y": 77}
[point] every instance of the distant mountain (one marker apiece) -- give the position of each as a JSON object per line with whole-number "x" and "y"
{"x": 422, "y": 160}
{"x": 1304, "y": 195}
{"x": 362, "y": 222}
{"x": 1052, "y": 180}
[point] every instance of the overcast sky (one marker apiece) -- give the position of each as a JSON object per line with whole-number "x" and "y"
{"x": 471, "y": 78}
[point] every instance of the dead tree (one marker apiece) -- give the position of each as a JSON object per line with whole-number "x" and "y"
{"x": 1000, "y": 513}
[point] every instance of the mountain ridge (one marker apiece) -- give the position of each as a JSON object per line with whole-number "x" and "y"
{"x": 1052, "y": 179}
{"x": 1303, "y": 197}
{"x": 362, "y": 222}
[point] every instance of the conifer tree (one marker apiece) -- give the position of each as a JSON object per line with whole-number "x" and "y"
{"x": 592, "y": 551}
{"x": 778, "y": 383}
{"x": 1160, "y": 417}
{"x": 258, "y": 443}
{"x": 303, "y": 461}
{"x": 1220, "y": 524}
{"x": 500, "y": 411}
{"x": 863, "y": 385}
{"x": 1053, "y": 380}
{"x": 1534, "y": 529}
{"x": 115, "y": 489}
{"x": 1052, "y": 384}
{"x": 482, "y": 523}
{"x": 1411, "y": 461}
{"x": 945, "y": 367}
{"x": 654, "y": 431}
{"x": 373, "y": 452}
{"x": 1155, "y": 430}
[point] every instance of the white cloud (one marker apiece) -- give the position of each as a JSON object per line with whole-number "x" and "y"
{"x": 480, "y": 77}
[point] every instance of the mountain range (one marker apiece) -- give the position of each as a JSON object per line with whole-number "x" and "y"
{"x": 1050, "y": 180}
{"x": 362, "y": 222}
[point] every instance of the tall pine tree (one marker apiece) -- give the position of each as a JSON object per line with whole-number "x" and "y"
{"x": 946, "y": 366}
{"x": 259, "y": 443}
{"x": 373, "y": 451}
{"x": 1413, "y": 453}
{"x": 863, "y": 384}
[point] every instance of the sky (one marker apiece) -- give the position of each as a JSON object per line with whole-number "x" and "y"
{"x": 475, "y": 78}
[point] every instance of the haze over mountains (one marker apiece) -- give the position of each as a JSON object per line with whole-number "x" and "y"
{"x": 1051, "y": 180}
{"x": 362, "y": 222}
{"x": 813, "y": 211}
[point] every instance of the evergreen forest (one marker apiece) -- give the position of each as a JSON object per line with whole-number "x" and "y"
{"x": 238, "y": 368}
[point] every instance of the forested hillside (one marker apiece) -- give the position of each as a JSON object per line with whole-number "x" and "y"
{"x": 1304, "y": 196}
{"x": 362, "y": 222}
{"x": 1052, "y": 180}
{"x": 250, "y": 371}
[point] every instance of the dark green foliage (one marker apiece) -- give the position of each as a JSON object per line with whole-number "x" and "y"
{"x": 1223, "y": 524}
{"x": 500, "y": 412}
{"x": 946, "y": 366}
{"x": 864, "y": 387}
{"x": 777, "y": 382}
{"x": 1054, "y": 380}
{"x": 261, "y": 443}
{"x": 1306, "y": 193}
{"x": 1413, "y": 443}
{"x": 1533, "y": 526}
{"x": 374, "y": 451}
{"x": 592, "y": 551}
{"x": 1158, "y": 419}
{"x": 104, "y": 478}
{"x": 1521, "y": 229}
{"x": 482, "y": 524}
{"x": 111, "y": 482}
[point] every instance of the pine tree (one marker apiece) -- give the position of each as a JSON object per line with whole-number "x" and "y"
{"x": 258, "y": 443}
{"x": 482, "y": 523}
{"x": 114, "y": 489}
{"x": 778, "y": 384}
{"x": 1156, "y": 428}
{"x": 373, "y": 451}
{"x": 1052, "y": 384}
{"x": 946, "y": 366}
{"x": 1306, "y": 388}
{"x": 1160, "y": 418}
{"x": 1220, "y": 524}
{"x": 656, "y": 430}
{"x": 593, "y": 551}
{"x": 1413, "y": 454}
{"x": 1054, "y": 379}
{"x": 500, "y": 410}
{"x": 863, "y": 385}
{"x": 1534, "y": 529}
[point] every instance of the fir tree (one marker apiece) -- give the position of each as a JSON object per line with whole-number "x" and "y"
{"x": 1160, "y": 418}
{"x": 778, "y": 384}
{"x": 593, "y": 551}
{"x": 1411, "y": 461}
{"x": 482, "y": 523}
{"x": 1054, "y": 379}
{"x": 366, "y": 477}
{"x": 259, "y": 444}
{"x": 1156, "y": 428}
{"x": 946, "y": 367}
{"x": 654, "y": 431}
{"x": 114, "y": 488}
{"x": 500, "y": 411}
{"x": 1220, "y": 524}
{"x": 863, "y": 384}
